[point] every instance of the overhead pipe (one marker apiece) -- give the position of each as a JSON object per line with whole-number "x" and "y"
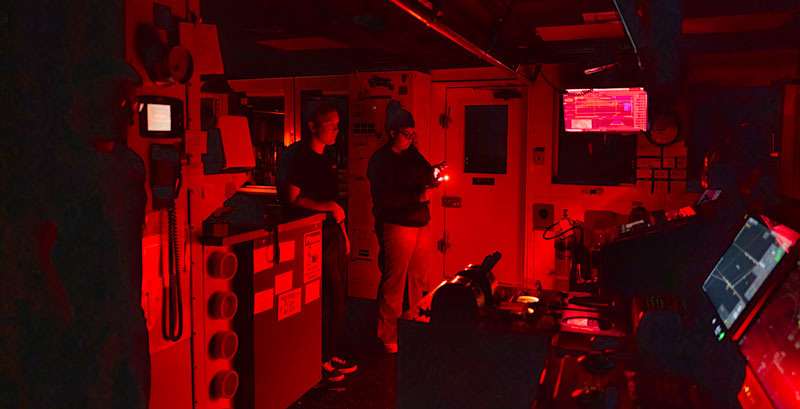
{"x": 461, "y": 41}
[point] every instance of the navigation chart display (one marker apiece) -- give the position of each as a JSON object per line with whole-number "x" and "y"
{"x": 748, "y": 262}
{"x": 611, "y": 110}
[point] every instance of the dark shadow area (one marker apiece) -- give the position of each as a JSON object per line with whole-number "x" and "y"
{"x": 373, "y": 384}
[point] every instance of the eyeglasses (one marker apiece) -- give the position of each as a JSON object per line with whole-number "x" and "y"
{"x": 407, "y": 135}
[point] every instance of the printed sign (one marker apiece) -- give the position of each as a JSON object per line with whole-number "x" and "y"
{"x": 289, "y": 303}
{"x": 312, "y": 291}
{"x": 312, "y": 256}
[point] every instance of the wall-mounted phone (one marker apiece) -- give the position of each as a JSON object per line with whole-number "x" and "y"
{"x": 165, "y": 175}
{"x": 160, "y": 117}
{"x": 165, "y": 183}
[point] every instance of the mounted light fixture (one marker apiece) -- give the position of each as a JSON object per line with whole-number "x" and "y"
{"x": 595, "y": 70}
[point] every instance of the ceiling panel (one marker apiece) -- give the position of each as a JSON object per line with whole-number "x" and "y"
{"x": 307, "y": 37}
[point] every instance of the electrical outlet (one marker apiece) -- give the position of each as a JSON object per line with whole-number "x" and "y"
{"x": 538, "y": 156}
{"x": 451, "y": 202}
{"x": 542, "y": 216}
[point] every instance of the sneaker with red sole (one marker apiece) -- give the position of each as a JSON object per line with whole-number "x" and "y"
{"x": 330, "y": 373}
{"x": 343, "y": 365}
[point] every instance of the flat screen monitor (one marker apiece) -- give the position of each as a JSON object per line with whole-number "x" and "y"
{"x": 771, "y": 345}
{"x": 754, "y": 257}
{"x": 159, "y": 118}
{"x": 605, "y": 110}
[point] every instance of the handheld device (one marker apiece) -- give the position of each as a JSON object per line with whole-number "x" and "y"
{"x": 439, "y": 174}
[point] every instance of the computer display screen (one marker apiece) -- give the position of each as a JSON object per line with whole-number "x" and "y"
{"x": 771, "y": 345}
{"x": 754, "y": 254}
{"x": 609, "y": 110}
{"x": 159, "y": 117}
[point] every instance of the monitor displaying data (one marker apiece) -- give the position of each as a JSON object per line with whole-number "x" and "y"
{"x": 609, "y": 110}
{"x": 758, "y": 248}
{"x": 771, "y": 345}
{"x": 159, "y": 117}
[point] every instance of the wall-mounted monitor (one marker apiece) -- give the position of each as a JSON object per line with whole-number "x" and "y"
{"x": 605, "y": 110}
{"x": 160, "y": 117}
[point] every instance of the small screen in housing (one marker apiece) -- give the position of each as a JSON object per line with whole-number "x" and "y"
{"x": 159, "y": 117}
{"x": 608, "y": 110}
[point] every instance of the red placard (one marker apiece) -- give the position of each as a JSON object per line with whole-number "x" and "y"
{"x": 289, "y": 303}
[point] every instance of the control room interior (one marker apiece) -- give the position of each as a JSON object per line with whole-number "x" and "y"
{"x": 615, "y": 226}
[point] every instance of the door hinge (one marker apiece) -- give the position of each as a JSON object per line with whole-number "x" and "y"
{"x": 444, "y": 243}
{"x": 444, "y": 119}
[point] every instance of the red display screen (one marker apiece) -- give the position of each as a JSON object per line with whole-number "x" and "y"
{"x": 610, "y": 110}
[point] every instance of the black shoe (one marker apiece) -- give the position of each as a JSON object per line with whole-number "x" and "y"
{"x": 331, "y": 374}
{"x": 343, "y": 365}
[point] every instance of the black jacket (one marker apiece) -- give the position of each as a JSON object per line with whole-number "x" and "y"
{"x": 396, "y": 182}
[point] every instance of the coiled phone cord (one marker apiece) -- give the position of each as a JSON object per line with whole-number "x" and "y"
{"x": 173, "y": 327}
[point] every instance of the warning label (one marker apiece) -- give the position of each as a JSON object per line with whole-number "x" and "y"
{"x": 289, "y": 303}
{"x": 312, "y": 256}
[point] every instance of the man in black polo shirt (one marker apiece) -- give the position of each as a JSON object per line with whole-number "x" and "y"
{"x": 308, "y": 183}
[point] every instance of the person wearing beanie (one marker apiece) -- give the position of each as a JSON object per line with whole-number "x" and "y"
{"x": 308, "y": 183}
{"x": 400, "y": 179}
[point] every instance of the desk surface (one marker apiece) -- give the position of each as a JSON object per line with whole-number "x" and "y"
{"x": 254, "y": 234}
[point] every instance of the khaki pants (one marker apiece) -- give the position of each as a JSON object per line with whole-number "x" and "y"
{"x": 406, "y": 251}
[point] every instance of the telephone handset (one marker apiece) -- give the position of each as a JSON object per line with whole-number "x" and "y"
{"x": 165, "y": 183}
{"x": 165, "y": 175}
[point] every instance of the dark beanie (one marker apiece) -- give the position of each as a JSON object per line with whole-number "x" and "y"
{"x": 397, "y": 117}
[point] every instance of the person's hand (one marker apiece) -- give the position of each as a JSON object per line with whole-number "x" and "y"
{"x": 346, "y": 239}
{"x": 337, "y": 212}
{"x": 425, "y": 196}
